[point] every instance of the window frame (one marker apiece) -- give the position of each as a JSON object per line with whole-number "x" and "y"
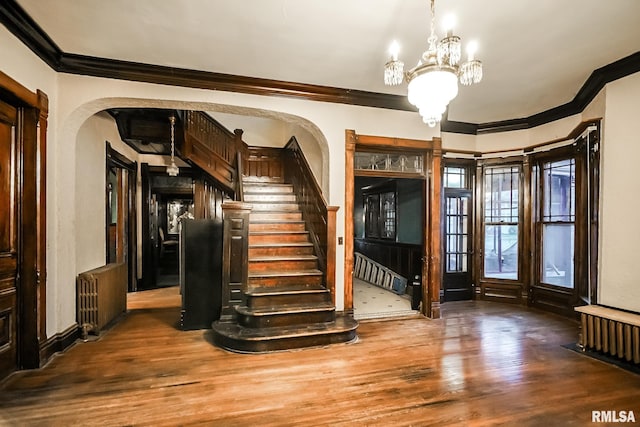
{"x": 376, "y": 218}
{"x": 488, "y": 164}
{"x": 543, "y": 219}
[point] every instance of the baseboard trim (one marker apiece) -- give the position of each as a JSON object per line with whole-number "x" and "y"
{"x": 58, "y": 343}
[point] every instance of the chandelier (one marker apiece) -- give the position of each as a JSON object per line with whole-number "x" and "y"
{"x": 433, "y": 83}
{"x": 172, "y": 169}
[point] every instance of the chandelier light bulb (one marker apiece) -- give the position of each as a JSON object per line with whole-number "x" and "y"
{"x": 449, "y": 23}
{"x": 472, "y": 48}
{"x": 394, "y": 50}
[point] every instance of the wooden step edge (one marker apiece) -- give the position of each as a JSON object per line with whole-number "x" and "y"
{"x": 338, "y": 326}
{"x": 291, "y": 273}
{"x": 277, "y": 221}
{"x": 284, "y": 309}
{"x": 284, "y": 291}
{"x": 268, "y": 232}
{"x": 283, "y": 258}
{"x": 280, "y": 245}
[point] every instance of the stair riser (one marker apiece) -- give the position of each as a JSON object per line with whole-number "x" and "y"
{"x": 289, "y": 265}
{"x": 277, "y": 226}
{"x": 266, "y": 198}
{"x": 277, "y": 344}
{"x": 275, "y": 216}
{"x": 280, "y": 251}
{"x": 275, "y": 238}
{"x": 273, "y": 282}
{"x": 251, "y": 188}
{"x": 290, "y": 319}
{"x": 256, "y": 207}
{"x": 287, "y": 299}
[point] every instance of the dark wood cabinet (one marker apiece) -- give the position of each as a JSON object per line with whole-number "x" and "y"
{"x": 200, "y": 272}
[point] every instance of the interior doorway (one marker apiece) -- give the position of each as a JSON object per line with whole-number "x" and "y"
{"x": 388, "y": 222}
{"x": 374, "y": 156}
{"x": 121, "y": 230}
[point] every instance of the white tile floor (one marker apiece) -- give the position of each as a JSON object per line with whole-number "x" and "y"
{"x": 372, "y": 302}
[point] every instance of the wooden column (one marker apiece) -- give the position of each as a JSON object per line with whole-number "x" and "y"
{"x": 331, "y": 251}
{"x": 349, "y": 183}
{"x": 235, "y": 256}
{"x": 432, "y": 289}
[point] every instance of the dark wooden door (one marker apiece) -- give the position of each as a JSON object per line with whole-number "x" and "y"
{"x": 9, "y": 251}
{"x": 457, "y": 278}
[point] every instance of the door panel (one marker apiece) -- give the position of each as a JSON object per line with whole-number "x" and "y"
{"x": 8, "y": 238}
{"x": 457, "y": 284}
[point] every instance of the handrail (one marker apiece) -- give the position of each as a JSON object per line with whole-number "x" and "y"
{"x": 319, "y": 217}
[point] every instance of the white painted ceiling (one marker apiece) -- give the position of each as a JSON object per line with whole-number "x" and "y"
{"x": 536, "y": 53}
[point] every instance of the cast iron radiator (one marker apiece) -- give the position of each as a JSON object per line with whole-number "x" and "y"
{"x": 102, "y": 296}
{"x": 610, "y": 331}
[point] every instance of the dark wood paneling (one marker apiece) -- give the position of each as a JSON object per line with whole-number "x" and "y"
{"x": 502, "y": 292}
{"x": 235, "y": 256}
{"x": 263, "y": 163}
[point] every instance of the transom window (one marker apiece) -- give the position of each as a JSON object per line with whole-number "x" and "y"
{"x": 455, "y": 177}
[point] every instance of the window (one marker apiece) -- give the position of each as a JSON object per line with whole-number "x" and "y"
{"x": 501, "y": 221}
{"x": 455, "y": 177}
{"x": 558, "y": 222}
{"x": 457, "y": 233}
{"x": 380, "y": 213}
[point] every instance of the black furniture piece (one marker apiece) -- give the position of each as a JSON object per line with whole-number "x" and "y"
{"x": 200, "y": 272}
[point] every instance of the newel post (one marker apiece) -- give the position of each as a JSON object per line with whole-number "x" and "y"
{"x": 235, "y": 256}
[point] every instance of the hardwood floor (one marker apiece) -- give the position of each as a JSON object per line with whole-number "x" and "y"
{"x": 481, "y": 364}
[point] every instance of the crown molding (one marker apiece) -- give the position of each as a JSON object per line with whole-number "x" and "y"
{"x": 29, "y": 32}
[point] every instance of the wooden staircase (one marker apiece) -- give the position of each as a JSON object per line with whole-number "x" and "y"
{"x": 286, "y": 305}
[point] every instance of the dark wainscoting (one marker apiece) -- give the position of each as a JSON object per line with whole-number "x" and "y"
{"x": 403, "y": 258}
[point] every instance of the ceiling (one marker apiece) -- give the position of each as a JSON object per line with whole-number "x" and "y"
{"x": 537, "y": 54}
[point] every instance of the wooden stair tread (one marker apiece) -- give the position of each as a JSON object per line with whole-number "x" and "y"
{"x": 284, "y": 244}
{"x": 286, "y": 290}
{"x": 285, "y": 309}
{"x": 283, "y": 258}
{"x": 267, "y": 232}
{"x": 277, "y": 221}
{"x": 340, "y": 325}
{"x": 291, "y": 273}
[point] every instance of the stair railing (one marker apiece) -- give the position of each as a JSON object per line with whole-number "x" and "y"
{"x": 210, "y": 146}
{"x": 320, "y": 218}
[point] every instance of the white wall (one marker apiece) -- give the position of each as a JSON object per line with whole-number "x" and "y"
{"x": 619, "y": 282}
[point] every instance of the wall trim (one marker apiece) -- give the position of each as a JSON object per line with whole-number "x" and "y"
{"x": 31, "y": 34}
{"x": 58, "y": 343}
